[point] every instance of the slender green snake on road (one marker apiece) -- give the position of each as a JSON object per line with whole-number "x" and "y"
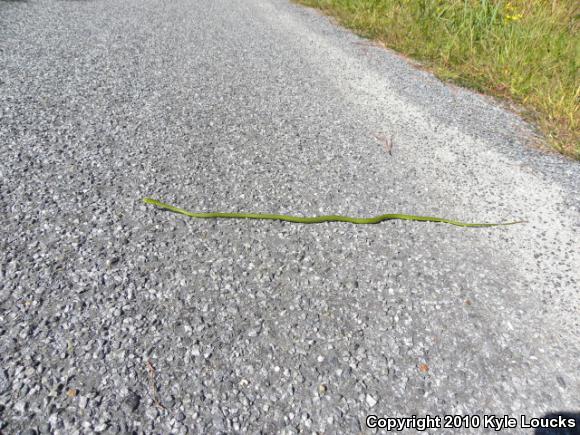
{"x": 319, "y": 219}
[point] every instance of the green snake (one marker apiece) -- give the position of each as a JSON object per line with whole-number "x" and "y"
{"x": 320, "y": 219}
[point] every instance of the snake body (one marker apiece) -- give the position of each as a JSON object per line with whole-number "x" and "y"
{"x": 320, "y": 219}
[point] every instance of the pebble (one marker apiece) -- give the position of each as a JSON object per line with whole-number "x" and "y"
{"x": 370, "y": 400}
{"x": 132, "y": 401}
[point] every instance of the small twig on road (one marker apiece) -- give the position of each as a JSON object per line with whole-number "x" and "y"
{"x": 153, "y": 386}
{"x": 388, "y": 142}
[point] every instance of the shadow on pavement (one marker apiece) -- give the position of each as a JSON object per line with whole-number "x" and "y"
{"x": 561, "y": 431}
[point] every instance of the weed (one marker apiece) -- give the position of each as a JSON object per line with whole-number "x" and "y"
{"x": 524, "y": 50}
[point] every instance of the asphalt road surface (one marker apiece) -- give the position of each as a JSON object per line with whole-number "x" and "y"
{"x": 119, "y": 317}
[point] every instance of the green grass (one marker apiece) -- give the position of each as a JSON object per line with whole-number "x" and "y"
{"x": 527, "y": 51}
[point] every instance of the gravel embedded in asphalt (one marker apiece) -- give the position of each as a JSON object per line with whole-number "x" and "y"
{"x": 164, "y": 324}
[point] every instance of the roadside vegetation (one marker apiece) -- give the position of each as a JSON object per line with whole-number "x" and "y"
{"x": 527, "y": 51}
